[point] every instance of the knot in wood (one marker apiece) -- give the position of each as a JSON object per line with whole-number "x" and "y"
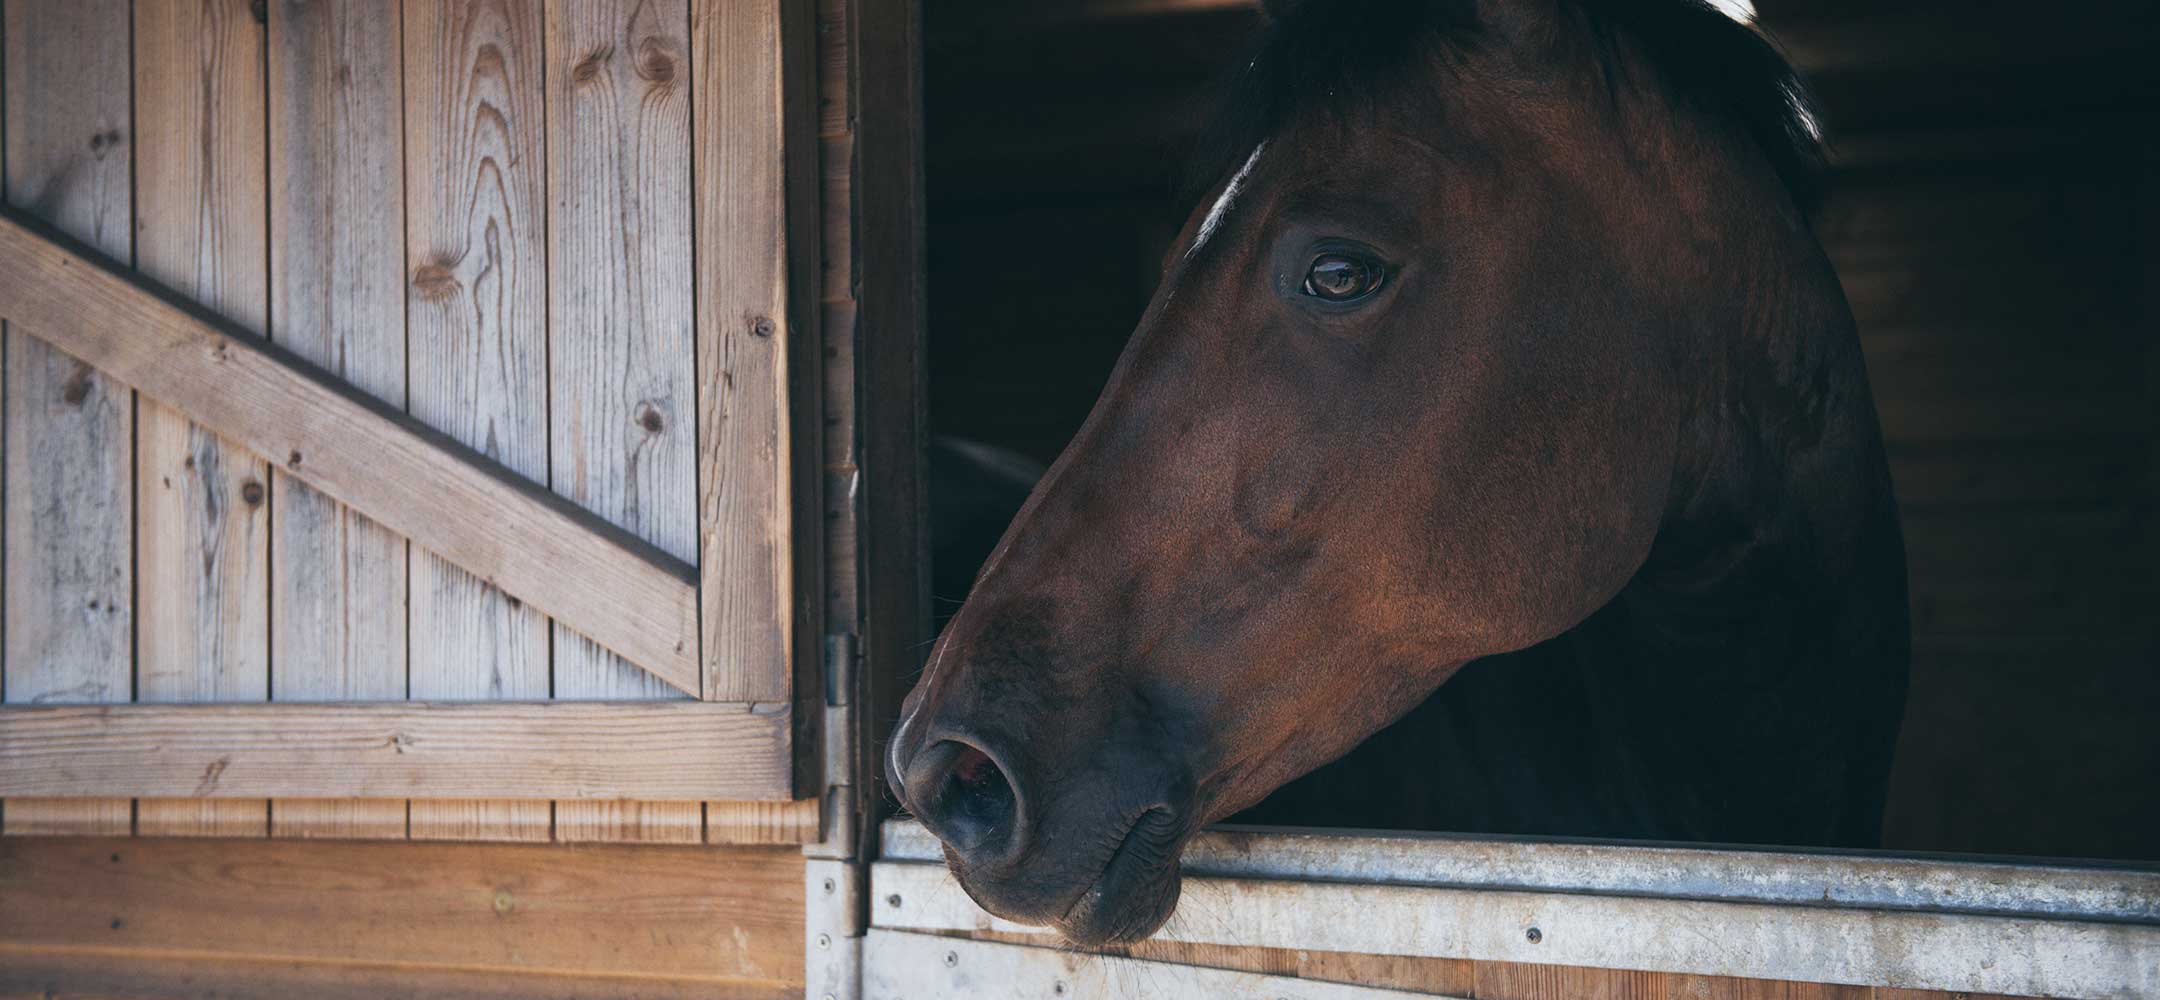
{"x": 588, "y": 69}
{"x": 656, "y": 61}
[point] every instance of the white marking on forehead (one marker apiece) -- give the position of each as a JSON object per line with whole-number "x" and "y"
{"x": 1222, "y": 204}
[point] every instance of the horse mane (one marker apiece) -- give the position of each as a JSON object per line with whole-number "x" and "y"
{"x": 1352, "y": 50}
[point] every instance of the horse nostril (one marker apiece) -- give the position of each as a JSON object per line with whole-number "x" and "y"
{"x": 966, "y": 798}
{"x": 979, "y": 790}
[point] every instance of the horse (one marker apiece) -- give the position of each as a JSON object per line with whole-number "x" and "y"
{"x": 1497, "y": 381}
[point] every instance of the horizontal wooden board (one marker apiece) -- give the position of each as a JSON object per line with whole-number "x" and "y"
{"x": 1793, "y": 943}
{"x": 38, "y": 974}
{"x": 796, "y": 822}
{"x": 562, "y": 750}
{"x": 593, "y": 577}
{"x": 626, "y": 919}
{"x": 898, "y": 965}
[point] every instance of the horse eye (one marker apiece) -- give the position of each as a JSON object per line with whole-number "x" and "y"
{"x": 1341, "y": 277}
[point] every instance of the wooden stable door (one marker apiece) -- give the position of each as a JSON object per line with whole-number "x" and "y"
{"x": 405, "y": 418}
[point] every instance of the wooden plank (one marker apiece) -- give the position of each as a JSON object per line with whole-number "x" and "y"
{"x": 477, "y": 314}
{"x": 744, "y": 334}
{"x": 1401, "y": 972}
{"x": 1518, "y": 981}
{"x": 446, "y": 497}
{"x": 624, "y": 822}
{"x": 899, "y": 965}
{"x": 68, "y": 585}
{"x": 337, "y": 233}
{"x": 582, "y": 750}
{"x": 1907, "y": 949}
{"x": 202, "y": 532}
{"x": 79, "y": 974}
{"x": 1456, "y": 977}
{"x": 620, "y": 350}
{"x": 1678, "y": 987}
{"x": 796, "y": 822}
{"x": 804, "y": 390}
{"x": 632, "y": 913}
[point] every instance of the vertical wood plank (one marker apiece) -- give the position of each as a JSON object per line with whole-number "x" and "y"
{"x": 744, "y": 495}
{"x": 201, "y": 504}
{"x": 476, "y": 328}
{"x": 620, "y": 340}
{"x": 68, "y": 495}
{"x": 337, "y": 219}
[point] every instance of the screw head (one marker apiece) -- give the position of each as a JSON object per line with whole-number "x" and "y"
{"x": 824, "y": 941}
{"x": 893, "y": 900}
{"x": 829, "y": 887}
{"x": 1058, "y": 988}
{"x": 1534, "y": 935}
{"x": 952, "y": 958}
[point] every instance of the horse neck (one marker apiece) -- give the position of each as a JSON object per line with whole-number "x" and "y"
{"x": 1781, "y": 501}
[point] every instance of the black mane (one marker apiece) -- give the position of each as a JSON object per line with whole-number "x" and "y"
{"x": 1351, "y": 50}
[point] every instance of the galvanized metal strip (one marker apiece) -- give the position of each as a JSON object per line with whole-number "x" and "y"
{"x": 903, "y": 966}
{"x": 1861, "y": 947}
{"x": 832, "y": 930}
{"x": 1652, "y": 871}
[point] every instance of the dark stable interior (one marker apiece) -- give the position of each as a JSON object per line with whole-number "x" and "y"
{"x": 1993, "y": 212}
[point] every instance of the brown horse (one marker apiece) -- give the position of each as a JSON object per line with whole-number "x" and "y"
{"x": 1499, "y": 356}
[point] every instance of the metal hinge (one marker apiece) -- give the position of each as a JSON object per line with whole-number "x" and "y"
{"x": 841, "y": 731}
{"x": 833, "y": 871}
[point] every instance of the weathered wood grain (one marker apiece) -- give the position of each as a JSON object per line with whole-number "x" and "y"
{"x": 1453, "y": 977}
{"x": 202, "y": 531}
{"x": 337, "y": 236}
{"x": 1518, "y": 981}
{"x": 795, "y": 822}
{"x": 476, "y": 248}
{"x": 569, "y": 750}
{"x": 426, "y": 486}
{"x": 629, "y": 822}
{"x": 634, "y": 914}
{"x": 744, "y": 334}
{"x": 81, "y": 974}
{"x": 620, "y": 348}
{"x": 900, "y": 964}
{"x": 68, "y": 581}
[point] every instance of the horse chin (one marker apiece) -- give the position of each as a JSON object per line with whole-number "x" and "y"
{"x": 1136, "y": 891}
{"x": 1123, "y": 908}
{"x": 1130, "y": 897}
